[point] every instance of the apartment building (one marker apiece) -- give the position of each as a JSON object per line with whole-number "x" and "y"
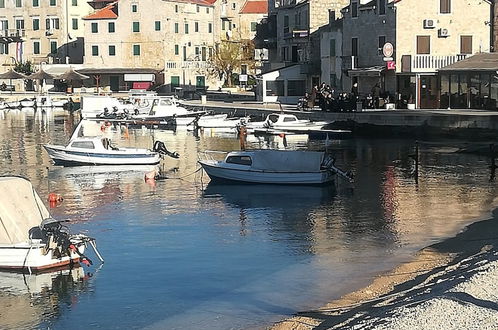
{"x": 134, "y": 44}
{"x": 422, "y": 36}
{"x": 42, "y": 31}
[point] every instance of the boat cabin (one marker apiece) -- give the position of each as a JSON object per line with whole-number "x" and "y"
{"x": 93, "y": 143}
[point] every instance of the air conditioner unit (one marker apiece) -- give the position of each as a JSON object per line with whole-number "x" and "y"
{"x": 49, "y": 32}
{"x": 429, "y": 24}
{"x": 443, "y": 33}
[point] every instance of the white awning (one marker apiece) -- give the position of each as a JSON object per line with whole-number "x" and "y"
{"x": 139, "y": 77}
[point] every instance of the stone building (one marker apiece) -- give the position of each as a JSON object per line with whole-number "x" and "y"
{"x": 42, "y": 31}
{"x": 131, "y": 44}
{"x": 425, "y": 35}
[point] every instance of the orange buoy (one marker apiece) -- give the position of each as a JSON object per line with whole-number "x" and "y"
{"x": 54, "y": 198}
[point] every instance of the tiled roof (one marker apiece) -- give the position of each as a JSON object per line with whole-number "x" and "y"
{"x": 108, "y": 12}
{"x": 255, "y": 7}
{"x": 198, "y": 2}
{"x": 477, "y": 62}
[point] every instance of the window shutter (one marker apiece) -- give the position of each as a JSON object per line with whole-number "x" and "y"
{"x": 423, "y": 44}
{"x": 465, "y": 44}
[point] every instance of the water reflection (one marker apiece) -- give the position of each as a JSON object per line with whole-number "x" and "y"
{"x": 28, "y": 300}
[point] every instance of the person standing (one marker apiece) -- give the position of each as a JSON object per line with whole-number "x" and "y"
{"x": 376, "y": 95}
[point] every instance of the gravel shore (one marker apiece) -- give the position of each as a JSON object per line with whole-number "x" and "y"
{"x": 449, "y": 285}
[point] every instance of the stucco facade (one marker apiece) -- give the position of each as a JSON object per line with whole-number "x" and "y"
{"x": 51, "y": 31}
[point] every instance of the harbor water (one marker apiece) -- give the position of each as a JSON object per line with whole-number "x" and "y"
{"x": 181, "y": 253}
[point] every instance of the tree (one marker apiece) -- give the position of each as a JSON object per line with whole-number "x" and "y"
{"x": 225, "y": 60}
{"x": 24, "y": 67}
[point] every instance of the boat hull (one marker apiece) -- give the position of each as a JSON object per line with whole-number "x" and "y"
{"x": 62, "y": 156}
{"x": 25, "y": 256}
{"x": 218, "y": 173}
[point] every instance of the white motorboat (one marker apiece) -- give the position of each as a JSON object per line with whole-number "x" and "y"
{"x": 27, "y": 103}
{"x": 272, "y": 167}
{"x": 101, "y": 151}
{"x": 221, "y": 121}
{"x": 29, "y": 237}
{"x": 286, "y": 122}
{"x": 13, "y": 104}
{"x": 46, "y": 101}
{"x": 165, "y": 108}
{"x": 94, "y": 105}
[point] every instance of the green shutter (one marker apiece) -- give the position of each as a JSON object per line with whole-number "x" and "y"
{"x": 136, "y": 26}
{"x": 175, "y": 81}
{"x": 36, "y": 47}
{"x": 75, "y": 24}
{"x": 95, "y": 28}
{"x": 95, "y": 50}
{"x": 332, "y": 47}
{"x": 136, "y": 49}
{"x": 158, "y": 25}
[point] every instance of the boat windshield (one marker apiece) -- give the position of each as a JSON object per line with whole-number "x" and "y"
{"x": 241, "y": 160}
{"x": 83, "y": 144}
{"x": 166, "y": 102}
{"x": 287, "y": 119}
{"x": 273, "y": 118}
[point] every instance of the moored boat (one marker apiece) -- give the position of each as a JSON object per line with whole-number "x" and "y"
{"x": 287, "y": 122}
{"x": 272, "y": 167}
{"x": 29, "y": 237}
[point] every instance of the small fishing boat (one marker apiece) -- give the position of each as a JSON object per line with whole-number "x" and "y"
{"x": 27, "y": 103}
{"x": 96, "y": 150}
{"x": 272, "y": 167}
{"x": 165, "y": 108}
{"x": 29, "y": 237}
{"x": 286, "y": 122}
{"x": 221, "y": 121}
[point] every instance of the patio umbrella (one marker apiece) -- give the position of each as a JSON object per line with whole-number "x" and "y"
{"x": 41, "y": 75}
{"x": 71, "y": 75}
{"x": 11, "y": 74}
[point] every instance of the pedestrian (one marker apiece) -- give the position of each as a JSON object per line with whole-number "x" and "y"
{"x": 376, "y": 95}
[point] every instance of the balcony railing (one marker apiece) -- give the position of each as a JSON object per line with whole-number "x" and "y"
{"x": 432, "y": 62}
{"x": 187, "y": 65}
{"x": 13, "y": 33}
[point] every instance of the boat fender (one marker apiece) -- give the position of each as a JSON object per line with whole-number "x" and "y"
{"x": 55, "y": 198}
{"x": 102, "y": 127}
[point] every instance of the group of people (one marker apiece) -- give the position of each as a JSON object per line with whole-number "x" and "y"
{"x": 327, "y": 99}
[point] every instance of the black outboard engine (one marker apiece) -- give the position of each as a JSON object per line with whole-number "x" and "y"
{"x": 161, "y": 148}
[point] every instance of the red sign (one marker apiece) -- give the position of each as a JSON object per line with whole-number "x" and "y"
{"x": 141, "y": 84}
{"x": 391, "y": 65}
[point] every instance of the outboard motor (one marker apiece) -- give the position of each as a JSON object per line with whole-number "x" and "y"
{"x": 161, "y": 148}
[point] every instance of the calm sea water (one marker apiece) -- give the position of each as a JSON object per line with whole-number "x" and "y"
{"x": 184, "y": 254}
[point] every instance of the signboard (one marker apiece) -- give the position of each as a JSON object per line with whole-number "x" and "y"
{"x": 391, "y": 65}
{"x": 388, "y": 49}
{"x": 242, "y": 77}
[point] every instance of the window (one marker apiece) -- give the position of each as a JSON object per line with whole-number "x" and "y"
{"x": 36, "y": 3}
{"x": 354, "y": 9}
{"x": 207, "y": 10}
{"x": 382, "y": 7}
{"x": 52, "y": 23}
{"x": 111, "y": 27}
{"x": 134, "y": 8}
{"x": 75, "y": 23}
{"x": 196, "y": 26}
{"x": 136, "y": 50}
{"x": 332, "y": 47}
{"x": 186, "y": 28}
{"x": 74, "y": 3}
{"x": 275, "y": 88}
{"x": 177, "y": 50}
{"x": 465, "y": 44}
{"x": 240, "y": 160}
{"x": 19, "y": 3}
{"x": 36, "y": 24}
{"x": 136, "y": 27}
{"x": 95, "y": 27}
{"x": 203, "y": 53}
{"x": 83, "y": 144}
{"x": 184, "y": 53}
{"x": 95, "y": 50}
{"x": 197, "y": 8}
{"x": 286, "y": 24}
{"x": 284, "y": 54}
{"x": 112, "y": 50}
{"x": 253, "y": 26}
{"x": 354, "y": 46}
{"x": 53, "y": 47}
{"x": 445, "y": 6}
{"x": 4, "y": 48}
{"x": 223, "y": 25}
{"x": 423, "y": 44}
{"x": 175, "y": 81}
{"x": 157, "y": 25}
{"x": 176, "y": 28}
{"x": 176, "y": 8}
{"x": 382, "y": 41}
{"x": 197, "y": 51}
{"x": 234, "y": 5}
{"x": 53, "y": 3}
{"x": 20, "y": 24}
{"x": 36, "y": 47}
{"x": 2, "y": 5}
{"x": 296, "y": 88}
{"x": 210, "y": 28}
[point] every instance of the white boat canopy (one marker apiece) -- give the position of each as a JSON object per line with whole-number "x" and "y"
{"x": 283, "y": 160}
{"x": 22, "y": 209}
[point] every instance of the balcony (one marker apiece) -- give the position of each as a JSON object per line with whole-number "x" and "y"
{"x": 187, "y": 65}
{"x": 12, "y": 35}
{"x": 425, "y": 63}
{"x": 298, "y": 35}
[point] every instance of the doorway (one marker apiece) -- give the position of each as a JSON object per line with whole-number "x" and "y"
{"x": 428, "y": 88}
{"x": 114, "y": 83}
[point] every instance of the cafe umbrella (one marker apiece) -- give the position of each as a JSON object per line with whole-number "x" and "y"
{"x": 71, "y": 75}
{"x": 11, "y": 74}
{"x": 41, "y": 75}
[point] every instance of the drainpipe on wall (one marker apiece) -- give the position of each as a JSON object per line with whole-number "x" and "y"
{"x": 492, "y": 26}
